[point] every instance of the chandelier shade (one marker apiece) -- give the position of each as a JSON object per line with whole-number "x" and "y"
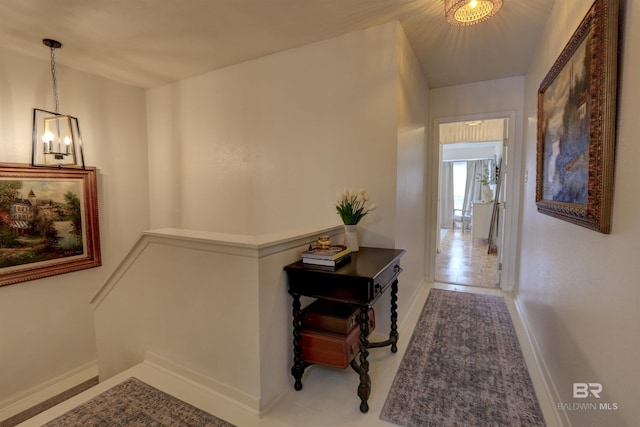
{"x": 469, "y": 12}
{"x": 56, "y": 140}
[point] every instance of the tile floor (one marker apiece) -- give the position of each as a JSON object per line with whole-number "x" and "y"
{"x": 463, "y": 260}
{"x": 328, "y": 397}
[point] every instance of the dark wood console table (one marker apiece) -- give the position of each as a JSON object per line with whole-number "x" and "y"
{"x": 369, "y": 274}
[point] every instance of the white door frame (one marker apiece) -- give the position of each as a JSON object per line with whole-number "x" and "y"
{"x": 512, "y": 166}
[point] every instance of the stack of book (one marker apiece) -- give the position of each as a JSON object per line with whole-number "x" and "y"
{"x": 332, "y": 257}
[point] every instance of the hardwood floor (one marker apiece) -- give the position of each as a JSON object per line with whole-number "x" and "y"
{"x": 463, "y": 261}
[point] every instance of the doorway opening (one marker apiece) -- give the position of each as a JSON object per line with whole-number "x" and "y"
{"x": 470, "y": 202}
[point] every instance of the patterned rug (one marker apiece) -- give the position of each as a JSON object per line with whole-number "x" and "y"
{"x": 134, "y": 403}
{"x": 463, "y": 367}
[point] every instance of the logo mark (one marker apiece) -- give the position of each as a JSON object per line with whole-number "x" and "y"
{"x": 584, "y": 390}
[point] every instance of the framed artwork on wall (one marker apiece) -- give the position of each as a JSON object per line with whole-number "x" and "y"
{"x": 48, "y": 222}
{"x": 577, "y": 123}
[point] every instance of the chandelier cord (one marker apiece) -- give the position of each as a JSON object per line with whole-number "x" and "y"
{"x": 55, "y": 79}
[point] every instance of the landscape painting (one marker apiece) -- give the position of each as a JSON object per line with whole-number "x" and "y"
{"x": 48, "y": 222}
{"x": 565, "y": 121}
{"x": 577, "y": 103}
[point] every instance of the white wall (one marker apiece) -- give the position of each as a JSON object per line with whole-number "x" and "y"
{"x": 46, "y": 326}
{"x": 281, "y": 134}
{"x": 578, "y": 289}
{"x": 483, "y": 100}
{"x": 264, "y": 145}
{"x": 411, "y": 193}
{"x": 269, "y": 142}
{"x": 189, "y": 303}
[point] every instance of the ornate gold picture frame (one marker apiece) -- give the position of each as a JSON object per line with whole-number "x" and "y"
{"x": 577, "y": 123}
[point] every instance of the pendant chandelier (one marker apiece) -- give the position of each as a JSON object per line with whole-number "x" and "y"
{"x": 469, "y": 12}
{"x": 56, "y": 137}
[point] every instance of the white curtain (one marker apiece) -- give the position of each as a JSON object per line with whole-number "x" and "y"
{"x": 473, "y": 188}
{"x": 446, "y": 195}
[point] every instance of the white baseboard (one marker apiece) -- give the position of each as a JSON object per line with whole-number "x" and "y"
{"x": 205, "y": 383}
{"x": 417, "y": 299}
{"x": 551, "y": 390}
{"x": 36, "y": 395}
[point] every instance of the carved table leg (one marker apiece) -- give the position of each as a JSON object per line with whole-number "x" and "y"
{"x": 393, "y": 334}
{"x": 298, "y": 367}
{"x": 364, "y": 389}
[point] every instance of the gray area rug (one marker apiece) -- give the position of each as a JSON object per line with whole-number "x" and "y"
{"x": 134, "y": 403}
{"x": 463, "y": 367}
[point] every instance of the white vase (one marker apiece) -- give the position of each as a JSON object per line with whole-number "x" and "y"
{"x": 487, "y": 194}
{"x": 351, "y": 237}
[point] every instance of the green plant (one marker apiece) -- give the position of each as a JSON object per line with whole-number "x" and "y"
{"x": 485, "y": 177}
{"x": 350, "y": 205}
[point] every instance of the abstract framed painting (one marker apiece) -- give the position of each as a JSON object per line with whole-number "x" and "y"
{"x": 576, "y": 132}
{"x": 48, "y": 222}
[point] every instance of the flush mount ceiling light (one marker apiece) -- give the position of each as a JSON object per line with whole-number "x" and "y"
{"x": 56, "y": 137}
{"x": 469, "y": 12}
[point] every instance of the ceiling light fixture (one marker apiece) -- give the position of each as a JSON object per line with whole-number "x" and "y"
{"x": 469, "y": 12}
{"x": 56, "y": 137}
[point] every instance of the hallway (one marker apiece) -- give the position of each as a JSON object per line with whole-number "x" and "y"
{"x": 328, "y": 397}
{"x": 463, "y": 261}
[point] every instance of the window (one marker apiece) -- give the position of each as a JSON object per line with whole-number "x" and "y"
{"x": 459, "y": 183}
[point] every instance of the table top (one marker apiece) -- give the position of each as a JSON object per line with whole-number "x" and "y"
{"x": 361, "y": 281}
{"x": 367, "y": 263}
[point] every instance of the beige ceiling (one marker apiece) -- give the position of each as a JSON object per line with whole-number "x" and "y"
{"x": 147, "y": 43}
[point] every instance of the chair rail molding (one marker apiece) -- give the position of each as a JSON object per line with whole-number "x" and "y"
{"x": 233, "y": 244}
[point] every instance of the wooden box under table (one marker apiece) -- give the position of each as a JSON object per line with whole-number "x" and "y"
{"x": 329, "y": 349}
{"x": 330, "y": 335}
{"x": 333, "y": 316}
